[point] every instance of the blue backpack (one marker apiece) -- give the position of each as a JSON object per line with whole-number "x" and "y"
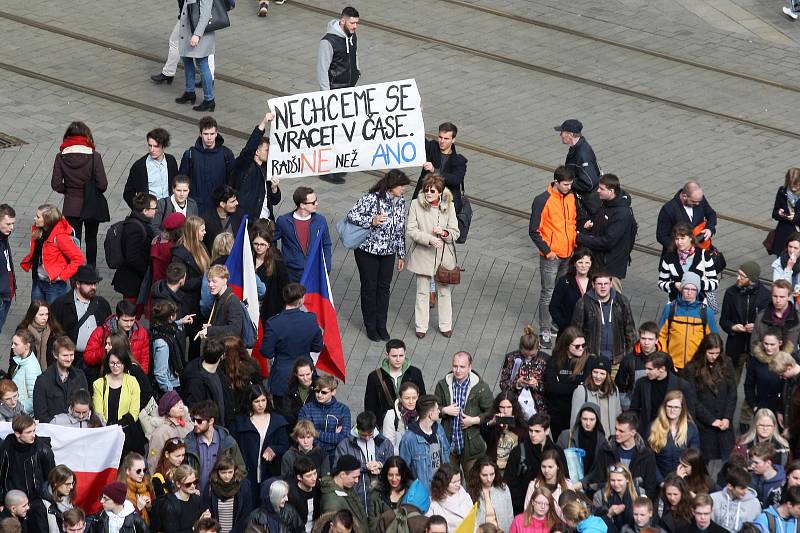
{"x": 249, "y": 330}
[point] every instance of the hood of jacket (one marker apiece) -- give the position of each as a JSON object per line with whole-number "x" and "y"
{"x": 161, "y": 291}
{"x": 61, "y": 227}
{"x": 551, "y": 190}
{"x": 767, "y": 485}
{"x": 692, "y": 306}
{"x": 593, "y": 524}
{"x": 327, "y": 486}
{"x": 413, "y": 427}
{"x": 593, "y": 407}
{"x": 335, "y": 28}
{"x": 385, "y": 366}
{"x": 198, "y": 145}
{"x": 444, "y": 202}
{"x": 418, "y": 496}
{"x": 733, "y": 511}
{"x": 762, "y": 357}
{"x": 78, "y": 157}
{"x": 127, "y": 508}
{"x": 591, "y": 294}
{"x": 621, "y": 201}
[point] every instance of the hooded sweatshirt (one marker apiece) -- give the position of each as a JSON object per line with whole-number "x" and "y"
{"x": 769, "y": 490}
{"x": 588, "y": 441}
{"x": 593, "y": 524}
{"x": 730, "y": 513}
{"x": 115, "y": 521}
{"x": 335, "y": 72}
{"x": 782, "y": 525}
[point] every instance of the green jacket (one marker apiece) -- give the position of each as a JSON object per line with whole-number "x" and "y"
{"x": 479, "y": 403}
{"x": 334, "y": 498}
{"x": 377, "y": 505}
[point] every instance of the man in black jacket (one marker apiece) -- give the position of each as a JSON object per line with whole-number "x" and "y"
{"x": 225, "y": 217}
{"x": 525, "y": 459}
{"x": 384, "y": 382}
{"x": 649, "y": 392}
{"x": 137, "y": 234}
{"x": 203, "y": 379}
{"x": 628, "y": 447}
{"x": 81, "y": 310}
{"x": 55, "y": 386}
{"x": 740, "y": 306}
{"x": 8, "y": 282}
{"x": 304, "y": 489}
{"x": 227, "y": 316}
{"x": 610, "y": 235}
{"x": 153, "y": 173}
{"x": 581, "y": 159}
{"x": 25, "y": 459}
{"x": 257, "y": 192}
{"x": 690, "y": 199}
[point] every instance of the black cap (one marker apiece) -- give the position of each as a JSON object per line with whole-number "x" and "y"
{"x": 571, "y": 125}
{"x": 86, "y": 274}
{"x": 346, "y": 463}
{"x": 600, "y": 363}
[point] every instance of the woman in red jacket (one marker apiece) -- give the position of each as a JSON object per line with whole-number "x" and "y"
{"x": 75, "y": 167}
{"x": 54, "y": 257}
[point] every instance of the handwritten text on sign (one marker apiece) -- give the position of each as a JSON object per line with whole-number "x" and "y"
{"x": 345, "y": 130}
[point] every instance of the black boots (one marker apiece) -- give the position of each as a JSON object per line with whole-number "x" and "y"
{"x": 185, "y": 98}
{"x": 161, "y": 78}
{"x": 207, "y": 105}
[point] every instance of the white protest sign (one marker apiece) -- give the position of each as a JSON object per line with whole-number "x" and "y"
{"x": 369, "y": 127}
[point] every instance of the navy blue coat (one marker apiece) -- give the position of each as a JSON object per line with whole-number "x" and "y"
{"x": 207, "y": 169}
{"x": 292, "y": 252}
{"x": 247, "y": 437}
{"x": 668, "y": 458}
{"x": 242, "y": 505}
{"x": 673, "y": 212}
{"x": 288, "y": 335}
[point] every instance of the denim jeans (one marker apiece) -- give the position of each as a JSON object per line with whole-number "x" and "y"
{"x": 205, "y": 75}
{"x": 550, "y": 270}
{"x": 5, "y": 305}
{"x": 48, "y": 291}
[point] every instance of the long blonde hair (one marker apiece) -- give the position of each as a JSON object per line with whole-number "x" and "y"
{"x": 192, "y": 243}
{"x": 619, "y": 468}
{"x": 659, "y": 431}
{"x": 223, "y": 244}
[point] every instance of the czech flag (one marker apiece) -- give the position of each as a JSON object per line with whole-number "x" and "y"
{"x": 243, "y": 284}
{"x": 93, "y": 454}
{"x": 319, "y": 300}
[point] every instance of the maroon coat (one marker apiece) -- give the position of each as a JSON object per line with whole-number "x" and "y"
{"x": 71, "y": 172}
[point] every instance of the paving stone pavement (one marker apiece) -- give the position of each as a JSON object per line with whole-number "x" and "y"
{"x": 652, "y": 146}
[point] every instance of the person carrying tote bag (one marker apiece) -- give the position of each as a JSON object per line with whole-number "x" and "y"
{"x": 432, "y": 227}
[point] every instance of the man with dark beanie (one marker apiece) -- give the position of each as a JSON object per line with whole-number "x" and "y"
{"x": 337, "y": 489}
{"x": 118, "y": 513}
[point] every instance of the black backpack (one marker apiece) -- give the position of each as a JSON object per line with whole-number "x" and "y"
{"x": 113, "y": 245}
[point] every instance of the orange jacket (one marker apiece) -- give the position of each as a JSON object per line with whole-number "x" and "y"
{"x": 61, "y": 257}
{"x": 553, "y": 223}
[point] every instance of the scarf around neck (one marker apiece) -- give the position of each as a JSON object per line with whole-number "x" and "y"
{"x": 225, "y": 491}
{"x": 42, "y": 336}
{"x": 683, "y": 256}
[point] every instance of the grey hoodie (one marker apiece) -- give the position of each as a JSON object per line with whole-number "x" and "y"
{"x": 730, "y": 513}
{"x": 325, "y": 54}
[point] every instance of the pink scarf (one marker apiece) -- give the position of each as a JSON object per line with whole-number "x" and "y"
{"x": 683, "y": 257}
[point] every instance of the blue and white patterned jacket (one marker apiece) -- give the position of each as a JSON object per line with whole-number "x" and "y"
{"x": 388, "y": 238}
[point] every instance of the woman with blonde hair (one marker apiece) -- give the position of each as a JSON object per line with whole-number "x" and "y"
{"x": 617, "y": 497}
{"x": 672, "y": 432}
{"x": 78, "y": 166}
{"x": 540, "y": 514}
{"x": 140, "y": 489}
{"x": 191, "y": 252}
{"x": 53, "y": 257}
{"x": 433, "y": 229}
{"x": 577, "y": 515}
{"x": 764, "y": 429}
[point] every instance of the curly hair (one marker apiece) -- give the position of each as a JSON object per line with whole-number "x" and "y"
{"x": 474, "y": 485}
{"x": 441, "y": 479}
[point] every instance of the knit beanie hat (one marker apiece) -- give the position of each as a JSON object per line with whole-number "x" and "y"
{"x": 690, "y": 278}
{"x": 117, "y": 491}
{"x": 751, "y": 270}
{"x": 167, "y": 402}
{"x": 346, "y": 463}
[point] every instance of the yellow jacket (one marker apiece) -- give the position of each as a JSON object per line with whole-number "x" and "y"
{"x": 128, "y": 399}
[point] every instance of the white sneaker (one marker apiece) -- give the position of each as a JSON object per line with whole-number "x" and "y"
{"x": 280, "y": 2}
{"x": 789, "y": 13}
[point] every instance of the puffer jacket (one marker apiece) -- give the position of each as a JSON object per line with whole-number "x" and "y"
{"x": 681, "y": 336}
{"x": 612, "y": 242}
{"x": 589, "y": 318}
{"x": 479, "y": 403}
{"x": 732, "y": 514}
{"x": 389, "y": 237}
{"x": 138, "y": 337}
{"x": 61, "y": 257}
{"x": 423, "y": 258}
{"x": 73, "y": 169}
{"x": 553, "y": 224}
{"x": 23, "y": 373}
{"x": 326, "y": 417}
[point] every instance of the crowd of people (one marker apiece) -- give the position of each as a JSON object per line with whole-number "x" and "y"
{"x": 598, "y": 424}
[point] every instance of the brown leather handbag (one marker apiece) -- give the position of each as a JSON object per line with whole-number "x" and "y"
{"x": 448, "y": 276}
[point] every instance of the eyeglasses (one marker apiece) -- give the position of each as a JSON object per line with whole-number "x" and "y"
{"x": 432, "y": 191}
{"x": 578, "y": 345}
{"x": 616, "y": 469}
{"x": 115, "y": 363}
{"x": 674, "y": 407}
{"x": 190, "y": 484}
{"x": 310, "y": 203}
{"x": 198, "y": 420}
{"x": 138, "y": 471}
{"x": 689, "y": 289}
{"x": 323, "y": 392}
{"x": 260, "y": 245}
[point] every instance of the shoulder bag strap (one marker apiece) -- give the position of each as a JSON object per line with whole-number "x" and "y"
{"x": 385, "y": 387}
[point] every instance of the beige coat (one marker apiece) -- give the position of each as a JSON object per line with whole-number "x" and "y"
{"x": 422, "y": 258}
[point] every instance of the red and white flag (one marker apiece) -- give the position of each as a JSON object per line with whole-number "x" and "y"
{"x": 93, "y": 454}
